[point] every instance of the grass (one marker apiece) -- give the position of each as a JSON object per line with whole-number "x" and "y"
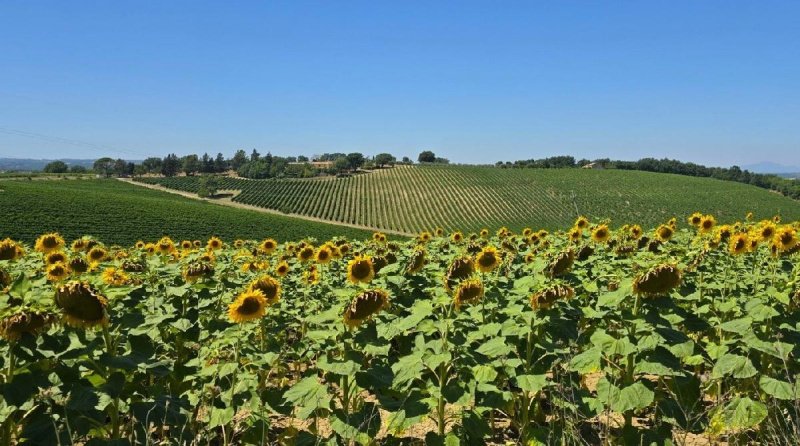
{"x": 121, "y": 213}
{"x": 412, "y": 199}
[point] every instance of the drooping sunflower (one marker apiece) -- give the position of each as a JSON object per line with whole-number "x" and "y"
{"x": 114, "y": 276}
{"x": 324, "y": 255}
{"x": 561, "y": 264}
{"x": 585, "y": 252}
{"x": 658, "y": 280}
{"x": 268, "y": 246}
{"x": 55, "y": 257}
{"x": 469, "y": 291}
{"x": 214, "y": 243}
{"x": 601, "y": 234}
{"x": 544, "y": 299}
{"x": 664, "y": 233}
{"x": 360, "y": 269}
{"x": 57, "y": 272}
{"x": 582, "y": 223}
{"x": 695, "y": 219}
{"x": 415, "y": 261}
{"x": 97, "y": 254}
{"x": 134, "y": 266}
{"x": 488, "y": 259}
{"x": 282, "y": 269}
{"x": 785, "y": 238}
{"x": 248, "y": 306}
{"x": 707, "y": 223}
{"x": 79, "y": 245}
{"x": 13, "y": 327}
{"x": 78, "y": 264}
{"x": 186, "y": 244}
{"x": 81, "y": 305}
{"x": 269, "y": 287}
{"x": 461, "y": 269}
{"x": 364, "y": 307}
{"x": 49, "y": 242}
{"x": 10, "y": 250}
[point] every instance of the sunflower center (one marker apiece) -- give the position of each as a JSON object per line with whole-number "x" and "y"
{"x": 360, "y": 270}
{"x": 249, "y": 306}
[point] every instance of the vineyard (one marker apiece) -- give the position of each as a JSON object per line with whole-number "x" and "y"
{"x": 119, "y": 213}
{"x": 414, "y": 199}
{"x": 685, "y": 333}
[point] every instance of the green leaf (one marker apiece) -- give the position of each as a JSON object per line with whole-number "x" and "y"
{"x": 586, "y": 362}
{"x": 308, "y": 393}
{"x": 484, "y": 373}
{"x": 532, "y": 383}
{"x": 635, "y": 396}
{"x": 739, "y": 414}
{"x": 220, "y": 417}
{"x": 343, "y": 368}
{"x": 781, "y": 390}
{"x": 733, "y": 365}
{"x": 738, "y": 326}
{"x": 406, "y": 370}
{"x": 495, "y": 348}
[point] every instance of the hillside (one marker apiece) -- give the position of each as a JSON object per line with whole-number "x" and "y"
{"x": 412, "y": 199}
{"x": 121, "y": 213}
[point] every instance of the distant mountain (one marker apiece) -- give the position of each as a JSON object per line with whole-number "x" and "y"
{"x": 29, "y": 164}
{"x": 770, "y": 167}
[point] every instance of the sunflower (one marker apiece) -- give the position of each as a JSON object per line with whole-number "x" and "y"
{"x": 197, "y": 243}
{"x": 461, "y": 269}
{"x": 469, "y": 291}
{"x": 738, "y": 244}
{"x": 248, "y": 306}
{"x": 776, "y": 219}
{"x": 268, "y": 246}
{"x": 424, "y": 236}
{"x": 214, "y": 243}
{"x": 79, "y": 245}
{"x": 238, "y": 243}
{"x": 601, "y": 233}
{"x": 78, "y": 265}
{"x": 503, "y": 232}
{"x": 545, "y": 298}
{"x": 186, "y": 244}
{"x": 81, "y": 305}
{"x": 766, "y": 230}
{"x": 439, "y": 232}
{"x": 658, "y": 280}
{"x": 360, "y": 270}
{"x": 139, "y": 245}
{"x": 457, "y": 236}
{"x": 585, "y": 252}
{"x": 484, "y": 233}
{"x": 99, "y": 254}
{"x": 324, "y": 255}
{"x": 10, "y": 250}
{"x": 673, "y": 223}
{"x": 695, "y": 219}
{"x": 575, "y": 235}
{"x": 282, "y": 269}
{"x": 5, "y": 279}
{"x": 13, "y": 327}
{"x": 635, "y": 232}
{"x": 582, "y": 223}
{"x": 561, "y": 264}
{"x": 364, "y": 306}
{"x": 724, "y": 233}
{"x": 753, "y": 244}
{"x": 55, "y": 257}
{"x": 785, "y": 238}
{"x": 379, "y": 237}
{"x": 269, "y": 287}
{"x": 707, "y": 223}
{"x": 57, "y": 272}
{"x": 49, "y": 242}
{"x": 416, "y": 261}
{"x": 114, "y": 276}
{"x": 344, "y": 249}
{"x": 131, "y": 266}
{"x": 664, "y": 233}
{"x": 487, "y": 259}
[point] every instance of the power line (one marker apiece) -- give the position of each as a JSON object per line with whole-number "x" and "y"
{"x": 103, "y": 150}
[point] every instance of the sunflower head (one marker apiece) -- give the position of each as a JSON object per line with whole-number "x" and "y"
{"x": 785, "y": 238}
{"x": 79, "y": 245}
{"x": 81, "y": 305}
{"x": 214, "y": 243}
{"x": 469, "y": 291}
{"x": 484, "y": 233}
{"x": 439, "y": 232}
{"x": 198, "y": 270}
{"x": 165, "y": 245}
{"x": 738, "y": 244}
{"x": 282, "y": 268}
{"x": 582, "y": 223}
{"x": 585, "y": 252}
{"x": 664, "y": 233}
{"x": 457, "y": 236}
{"x": 530, "y": 257}
{"x": 724, "y": 233}
{"x": 561, "y": 264}
{"x": 503, "y": 232}
{"x": 268, "y": 246}
{"x": 461, "y": 269}
{"x": 575, "y": 234}
{"x": 365, "y": 306}
{"x": 360, "y": 269}
{"x": 344, "y": 249}
{"x": 695, "y": 219}
{"x": 424, "y": 236}
{"x": 49, "y": 242}
{"x": 766, "y": 230}
{"x": 306, "y": 253}
{"x": 248, "y": 306}
{"x": 133, "y": 266}
{"x": 635, "y": 232}
{"x": 55, "y": 257}
{"x": 97, "y": 254}
{"x": 5, "y": 279}
{"x": 658, "y": 280}
{"x": 311, "y": 275}
{"x": 416, "y": 261}
{"x": 707, "y": 223}
{"x": 324, "y": 255}
{"x": 186, "y": 244}
{"x": 487, "y": 259}
{"x": 545, "y": 298}
{"x": 13, "y": 327}
{"x": 269, "y": 287}
{"x": 601, "y": 234}
{"x": 10, "y": 250}
{"x": 114, "y": 276}
{"x": 57, "y": 272}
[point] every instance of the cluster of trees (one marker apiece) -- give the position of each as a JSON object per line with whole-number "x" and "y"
{"x": 429, "y": 157}
{"x": 785, "y": 186}
{"x": 62, "y": 167}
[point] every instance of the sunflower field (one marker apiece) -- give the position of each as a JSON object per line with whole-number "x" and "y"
{"x": 684, "y": 333}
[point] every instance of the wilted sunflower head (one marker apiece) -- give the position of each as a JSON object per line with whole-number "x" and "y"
{"x": 186, "y": 244}
{"x": 114, "y": 276}
{"x": 664, "y": 233}
{"x": 197, "y": 270}
{"x": 57, "y": 272}
{"x": 81, "y": 305}
{"x": 484, "y": 233}
{"x": 469, "y": 291}
{"x": 324, "y": 255}
{"x": 365, "y": 306}
{"x": 269, "y": 287}
{"x": 582, "y": 223}
{"x": 49, "y": 242}
{"x": 214, "y": 243}
{"x": 545, "y": 298}
{"x": 585, "y": 252}
{"x": 487, "y": 259}
{"x": 707, "y": 223}
{"x": 658, "y": 280}
{"x": 415, "y": 261}
{"x": 695, "y": 219}
{"x": 461, "y": 269}
{"x": 10, "y": 250}
{"x": 360, "y": 269}
{"x": 268, "y": 246}
{"x": 55, "y": 257}
{"x": 97, "y": 254}
{"x": 561, "y": 264}
{"x": 601, "y": 233}
{"x": 13, "y": 327}
{"x": 248, "y": 306}
{"x": 282, "y": 268}
{"x": 78, "y": 264}
{"x": 5, "y": 279}
{"x": 79, "y": 245}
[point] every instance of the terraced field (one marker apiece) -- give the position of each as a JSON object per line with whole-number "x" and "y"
{"x": 412, "y": 199}
{"x": 121, "y": 213}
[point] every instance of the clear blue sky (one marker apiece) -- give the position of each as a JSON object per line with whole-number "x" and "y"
{"x": 716, "y": 82}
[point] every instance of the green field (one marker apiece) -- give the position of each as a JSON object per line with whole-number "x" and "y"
{"x": 121, "y": 213}
{"x": 412, "y": 199}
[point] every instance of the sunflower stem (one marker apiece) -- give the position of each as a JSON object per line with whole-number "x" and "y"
{"x": 8, "y": 425}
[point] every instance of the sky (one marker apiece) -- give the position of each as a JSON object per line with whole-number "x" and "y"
{"x": 713, "y": 82}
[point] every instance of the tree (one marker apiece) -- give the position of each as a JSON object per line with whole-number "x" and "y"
{"x": 406, "y": 160}
{"x": 254, "y": 155}
{"x": 104, "y": 166}
{"x": 170, "y": 165}
{"x": 427, "y": 157}
{"x": 190, "y": 164}
{"x": 56, "y": 167}
{"x": 120, "y": 167}
{"x": 152, "y": 165}
{"x": 239, "y": 158}
{"x": 355, "y": 160}
{"x": 207, "y": 164}
{"x": 302, "y": 159}
{"x": 220, "y": 165}
{"x": 383, "y": 159}
{"x": 77, "y": 168}
{"x": 208, "y": 186}
{"x": 341, "y": 164}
